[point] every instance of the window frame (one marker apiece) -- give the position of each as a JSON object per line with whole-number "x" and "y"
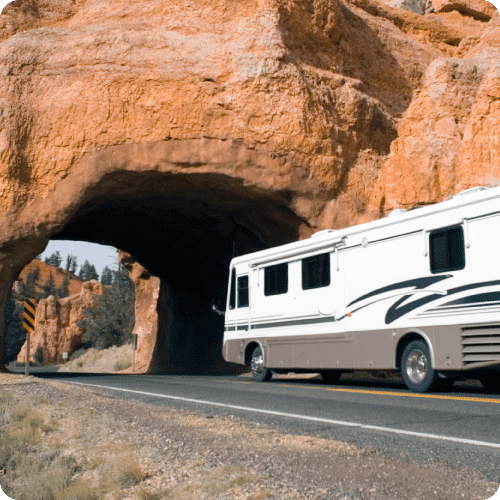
{"x": 313, "y": 258}
{"x": 239, "y": 290}
{"x": 267, "y": 271}
{"x": 232, "y": 290}
{"x": 446, "y": 231}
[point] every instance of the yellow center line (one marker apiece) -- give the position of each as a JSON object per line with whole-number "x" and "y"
{"x": 389, "y": 393}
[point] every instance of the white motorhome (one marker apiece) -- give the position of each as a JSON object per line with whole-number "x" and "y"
{"x": 417, "y": 291}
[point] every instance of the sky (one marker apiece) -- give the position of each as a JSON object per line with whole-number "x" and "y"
{"x": 99, "y": 255}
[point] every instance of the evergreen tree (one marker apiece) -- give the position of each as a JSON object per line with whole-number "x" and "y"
{"x": 111, "y": 320}
{"x": 71, "y": 263}
{"x": 31, "y": 283}
{"x": 84, "y": 270}
{"x": 88, "y": 272}
{"x": 15, "y": 334}
{"x": 64, "y": 289}
{"x": 93, "y": 274}
{"x": 55, "y": 259}
{"x": 48, "y": 289}
{"x": 107, "y": 276}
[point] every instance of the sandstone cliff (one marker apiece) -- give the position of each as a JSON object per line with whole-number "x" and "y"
{"x": 46, "y": 271}
{"x": 56, "y": 330}
{"x": 185, "y": 131}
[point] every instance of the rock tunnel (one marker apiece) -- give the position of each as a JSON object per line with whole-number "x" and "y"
{"x": 181, "y": 225}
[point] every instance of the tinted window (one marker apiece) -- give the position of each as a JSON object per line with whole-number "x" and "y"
{"x": 316, "y": 271}
{"x": 276, "y": 279}
{"x": 243, "y": 291}
{"x": 232, "y": 293}
{"x": 447, "y": 250}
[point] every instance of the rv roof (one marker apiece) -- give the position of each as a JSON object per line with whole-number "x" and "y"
{"x": 468, "y": 197}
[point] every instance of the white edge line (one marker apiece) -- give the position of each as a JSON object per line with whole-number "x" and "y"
{"x": 304, "y": 417}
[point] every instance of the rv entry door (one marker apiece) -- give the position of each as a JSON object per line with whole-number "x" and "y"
{"x": 243, "y": 304}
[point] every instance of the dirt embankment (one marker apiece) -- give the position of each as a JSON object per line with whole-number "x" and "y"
{"x": 88, "y": 445}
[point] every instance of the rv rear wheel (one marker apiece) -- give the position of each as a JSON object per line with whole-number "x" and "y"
{"x": 416, "y": 367}
{"x": 259, "y": 372}
{"x": 491, "y": 381}
{"x": 331, "y": 376}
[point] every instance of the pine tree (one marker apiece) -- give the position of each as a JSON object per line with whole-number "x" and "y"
{"x": 31, "y": 283}
{"x": 84, "y": 270}
{"x": 93, "y": 274}
{"x": 15, "y": 334}
{"x": 64, "y": 289}
{"x": 48, "y": 289}
{"x": 71, "y": 263}
{"x": 57, "y": 259}
{"x": 106, "y": 276}
{"x": 88, "y": 272}
{"x": 111, "y": 320}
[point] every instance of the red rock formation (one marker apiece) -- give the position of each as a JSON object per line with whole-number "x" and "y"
{"x": 183, "y": 132}
{"x": 56, "y": 330}
{"x": 46, "y": 270}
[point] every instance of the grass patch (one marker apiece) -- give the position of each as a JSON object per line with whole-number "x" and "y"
{"x": 30, "y": 472}
{"x": 105, "y": 361}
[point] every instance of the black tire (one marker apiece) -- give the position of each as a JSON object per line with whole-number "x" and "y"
{"x": 259, "y": 372}
{"x": 331, "y": 376}
{"x": 491, "y": 381}
{"x": 416, "y": 367}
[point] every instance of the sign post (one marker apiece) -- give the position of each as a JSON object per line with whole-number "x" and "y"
{"x": 134, "y": 347}
{"x": 29, "y": 326}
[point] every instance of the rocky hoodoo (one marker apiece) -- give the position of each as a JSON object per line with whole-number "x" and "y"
{"x": 47, "y": 271}
{"x": 56, "y": 330}
{"x": 186, "y": 132}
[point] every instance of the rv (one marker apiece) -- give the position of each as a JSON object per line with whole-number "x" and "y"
{"x": 417, "y": 292}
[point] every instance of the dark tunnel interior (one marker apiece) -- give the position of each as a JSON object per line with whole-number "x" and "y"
{"x": 184, "y": 229}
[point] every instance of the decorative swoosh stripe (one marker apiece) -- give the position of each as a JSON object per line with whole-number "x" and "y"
{"x": 275, "y": 324}
{"x": 397, "y": 310}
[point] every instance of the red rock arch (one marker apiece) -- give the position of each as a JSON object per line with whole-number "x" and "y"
{"x": 182, "y": 209}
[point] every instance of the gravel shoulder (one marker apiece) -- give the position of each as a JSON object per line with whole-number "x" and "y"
{"x": 186, "y": 455}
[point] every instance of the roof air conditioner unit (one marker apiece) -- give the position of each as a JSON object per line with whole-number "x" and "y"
{"x": 325, "y": 232}
{"x": 473, "y": 190}
{"x": 397, "y": 211}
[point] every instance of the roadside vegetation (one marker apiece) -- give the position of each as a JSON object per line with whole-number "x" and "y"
{"x": 93, "y": 360}
{"x": 36, "y": 464}
{"x": 109, "y": 322}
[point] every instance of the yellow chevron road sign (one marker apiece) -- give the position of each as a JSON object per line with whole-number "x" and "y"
{"x": 29, "y": 315}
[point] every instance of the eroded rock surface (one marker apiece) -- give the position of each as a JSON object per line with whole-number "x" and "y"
{"x": 187, "y": 132}
{"x": 56, "y": 330}
{"x": 47, "y": 271}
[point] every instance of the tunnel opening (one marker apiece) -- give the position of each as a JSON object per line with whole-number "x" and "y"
{"x": 184, "y": 229}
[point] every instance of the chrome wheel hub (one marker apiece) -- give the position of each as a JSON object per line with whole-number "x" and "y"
{"x": 416, "y": 366}
{"x": 257, "y": 363}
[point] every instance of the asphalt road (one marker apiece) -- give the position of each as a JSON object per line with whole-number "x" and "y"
{"x": 391, "y": 419}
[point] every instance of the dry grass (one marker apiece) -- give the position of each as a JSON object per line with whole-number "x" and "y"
{"x": 105, "y": 361}
{"x": 35, "y": 462}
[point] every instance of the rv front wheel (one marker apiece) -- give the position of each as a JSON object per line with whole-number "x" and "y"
{"x": 331, "y": 376}
{"x": 259, "y": 372}
{"x": 416, "y": 367}
{"x": 491, "y": 381}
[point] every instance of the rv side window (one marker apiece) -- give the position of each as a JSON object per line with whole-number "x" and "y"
{"x": 243, "y": 291}
{"x": 276, "y": 279}
{"x": 232, "y": 293}
{"x": 447, "y": 251}
{"x": 316, "y": 271}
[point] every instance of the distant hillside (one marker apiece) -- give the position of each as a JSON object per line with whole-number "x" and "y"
{"x": 75, "y": 284}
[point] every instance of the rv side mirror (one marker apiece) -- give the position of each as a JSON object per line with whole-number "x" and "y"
{"x": 215, "y": 306}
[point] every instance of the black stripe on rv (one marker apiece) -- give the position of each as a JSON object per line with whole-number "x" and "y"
{"x": 395, "y": 311}
{"x": 299, "y": 322}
